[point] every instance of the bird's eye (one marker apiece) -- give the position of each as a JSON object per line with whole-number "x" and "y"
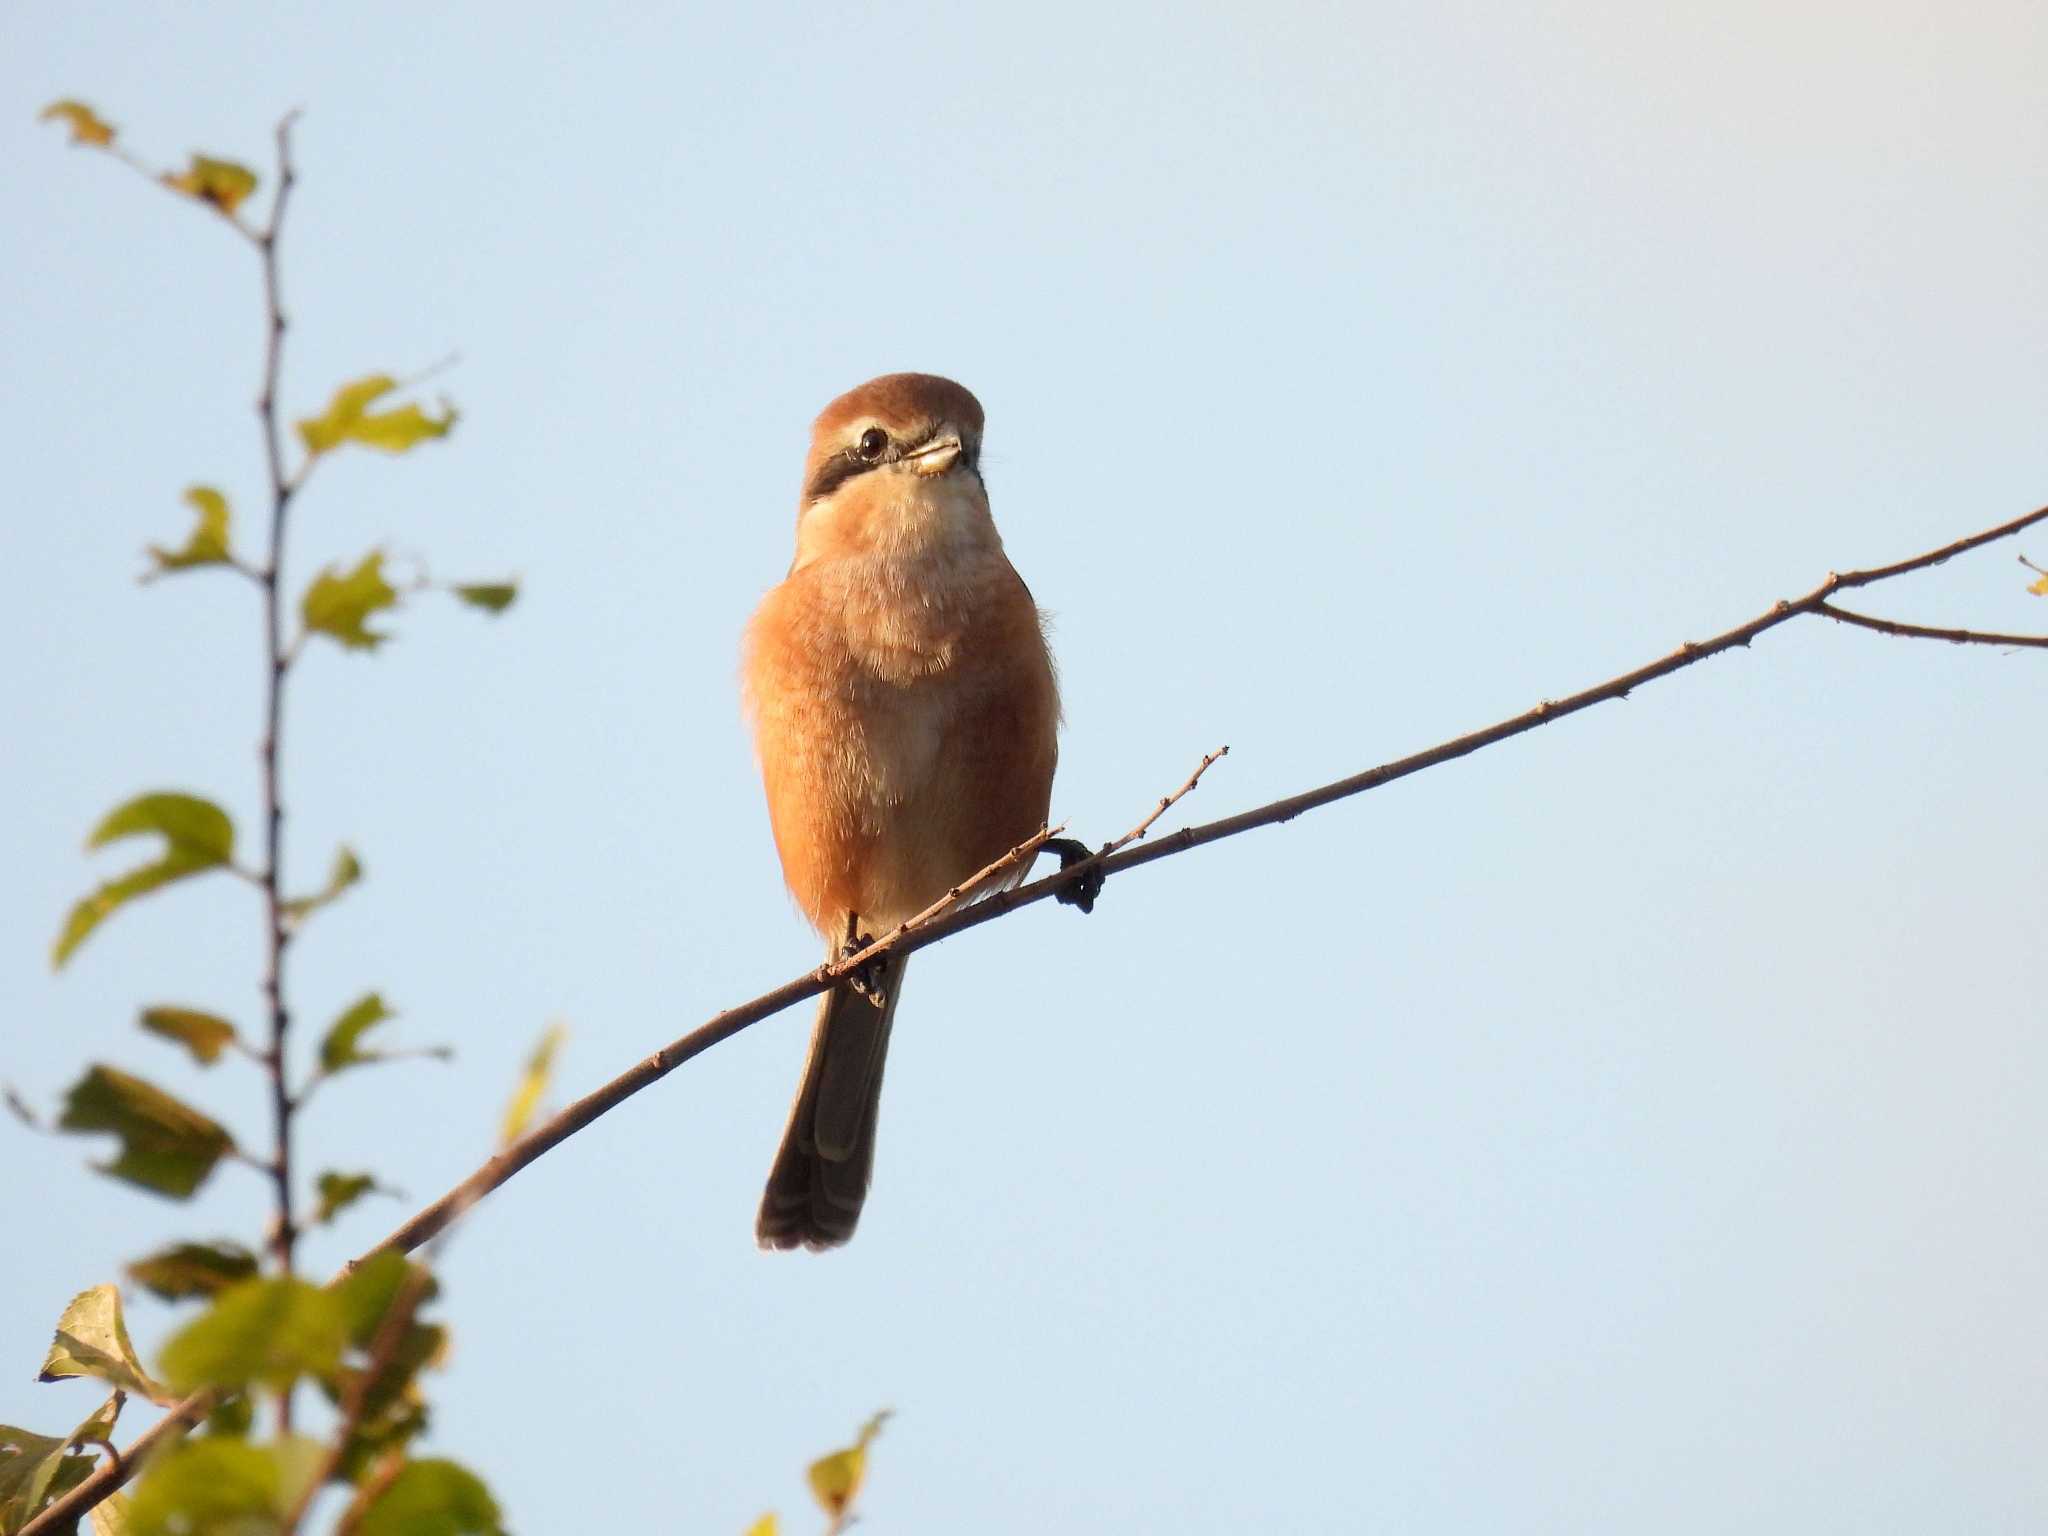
{"x": 872, "y": 442}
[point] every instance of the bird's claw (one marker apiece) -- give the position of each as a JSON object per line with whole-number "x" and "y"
{"x": 1082, "y": 892}
{"x": 865, "y": 979}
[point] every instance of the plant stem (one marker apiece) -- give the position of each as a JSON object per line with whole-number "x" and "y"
{"x": 284, "y": 1230}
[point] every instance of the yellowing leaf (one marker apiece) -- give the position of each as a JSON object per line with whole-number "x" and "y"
{"x": 197, "y": 835}
{"x": 111, "y": 1516}
{"x": 767, "y": 1525}
{"x": 340, "y": 603}
{"x": 492, "y": 596}
{"x": 339, "y": 1047}
{"x": 347, "y": 870}
{"x": 836, "y": 1479}
{"x": 222, "y": 183}
{"x": 533, "y": 1082}
{"x": 349, "y": 419}
{"x": 2039, "y": 588}
{"x": 92, "y": 1340}
{"x": 166, "y": 1145}
{"x": 86, "y": 127}
{"x": 208, "y": 544}
{"x": 339, "y": 1191}
{"x": 205, "y": 1035}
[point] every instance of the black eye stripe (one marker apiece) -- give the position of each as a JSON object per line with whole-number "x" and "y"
{"x": 835, "y": 472}
{"x": 848, "y": 462}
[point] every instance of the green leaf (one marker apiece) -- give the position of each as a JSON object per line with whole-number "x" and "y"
{"x": 369, "y": 1290}
{"x": 166, "y": 1146}
{"x": 378, "y": 1434}
{"x": 347, "y": 870}
{"x": 33, "y": 1470}
{"x": 222, "y": 183}
{"x": 205, "y": 1035}
{"x": 339, "y": 1191}
{"x": 340, "y": 603}
{"x": 37, "y": 1468}
{"x": 28, "y": 1461}
{"x": 432, "y": 1498}
{"x": 208, "y": 544}
{"x": 86, "y": 127}
{"x": 232, "y": 1417}
{"x": 836, "y": 1479}
{"x": 391, "y": 1408}
{"x": 491, "y": 596}
{"x": 339, "y": 1048}
{"x": 214, "y": 1486}
{"x": 349, "y": 419}
{"x": 533, "y": 1082}
{"x": 197, "y": 834}
{"x": 92, "y": 1340}
{"x": 267, "y": 1331}
{"x": 192, "y": 1269}
{"x": 392, "y": 1405}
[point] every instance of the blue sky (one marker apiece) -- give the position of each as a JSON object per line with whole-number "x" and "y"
{"x": 1635, "y": 1126}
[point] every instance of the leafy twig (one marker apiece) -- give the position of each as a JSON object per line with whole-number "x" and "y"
{"x": 284, "y": 1227}
{"x": 383, "y": 1350}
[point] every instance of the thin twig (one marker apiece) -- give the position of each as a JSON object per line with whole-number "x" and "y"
{"x": 113, "y": 1451}
{"x": 1023, "y": 853}
{"x": 1922, "y": 632}
{"x": 435, "y": 1218}
{"x": 284, "y": 1230}
{"x": 1166, "y": 804}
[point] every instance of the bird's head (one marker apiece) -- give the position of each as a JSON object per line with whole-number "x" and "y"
{"x": 894, "y": 467}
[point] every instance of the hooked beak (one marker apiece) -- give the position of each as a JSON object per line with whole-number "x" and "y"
{"x": 936, "y": 456}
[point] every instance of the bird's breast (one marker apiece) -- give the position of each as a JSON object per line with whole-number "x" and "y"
{"x": 905, "y": 715}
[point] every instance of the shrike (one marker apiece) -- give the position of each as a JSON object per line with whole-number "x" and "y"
{"x": 905, "y": 713}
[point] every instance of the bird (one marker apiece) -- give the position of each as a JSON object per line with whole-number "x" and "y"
{"x": 906, "y": 715}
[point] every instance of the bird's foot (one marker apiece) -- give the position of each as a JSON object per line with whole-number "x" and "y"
{"x": 1082, "y": 892}
{"x": 867, "y": 980}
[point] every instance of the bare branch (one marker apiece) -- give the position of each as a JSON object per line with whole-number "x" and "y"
{"x": 435, "y": 1218}
{"x": 653, "y": 1068}
{"x": 1922, "y": 632}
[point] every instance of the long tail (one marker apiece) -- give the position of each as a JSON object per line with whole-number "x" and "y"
{"x": 820, "y": 1177}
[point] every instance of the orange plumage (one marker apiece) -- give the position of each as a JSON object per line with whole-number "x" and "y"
{"x": 905, "y": 714}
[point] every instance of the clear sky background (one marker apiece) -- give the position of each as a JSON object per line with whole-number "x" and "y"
{"x": 1635, "y": 1127}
